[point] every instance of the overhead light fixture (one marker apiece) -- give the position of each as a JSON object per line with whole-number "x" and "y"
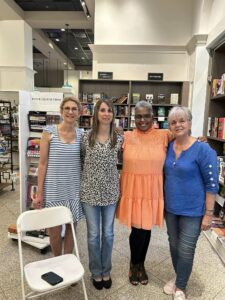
{"x": 85, "y": 8}
{"x": 66, "y": 84}
{"x": 75, "y": 48}
{"x": 62, "y": 29}
{"x": 57, "y": 40}
{"x": 50, "y": 45}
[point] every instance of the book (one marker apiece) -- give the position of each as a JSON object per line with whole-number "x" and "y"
{"x": 161, "y": 111}
{"x": 161, "y": 98}
{"x": 221, "y": 128}
{"x": 149, "y": 98}
{"x": 174, "y": 98}
{"x": 122, "y": 99}
{"x": 136, "y": 97}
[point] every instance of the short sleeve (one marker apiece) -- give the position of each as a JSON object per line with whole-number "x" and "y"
{"x": 207, "y": 159}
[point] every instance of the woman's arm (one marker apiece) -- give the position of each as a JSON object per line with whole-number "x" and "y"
{"x": 207, "y": 218}
{"x": 42, "y": 167}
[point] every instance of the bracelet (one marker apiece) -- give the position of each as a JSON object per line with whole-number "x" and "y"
{"x": 209, "y": 213}
{"x": 212, "y": 210}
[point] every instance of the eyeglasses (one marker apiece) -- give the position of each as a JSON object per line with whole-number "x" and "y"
{"x": 68, "y": 109}
{"x": 145, "y": 117}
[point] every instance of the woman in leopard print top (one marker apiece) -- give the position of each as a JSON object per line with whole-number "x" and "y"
{"x": 100, "y": 190}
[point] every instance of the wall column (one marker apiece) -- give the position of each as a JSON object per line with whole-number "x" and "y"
{"x": 16, "y": 56}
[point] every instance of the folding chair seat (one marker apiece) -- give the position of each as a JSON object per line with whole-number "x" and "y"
{"x": 67, "y": 266}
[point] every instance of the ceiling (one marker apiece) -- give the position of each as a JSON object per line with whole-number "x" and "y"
{"x": 72, "y": 42}
{"x": 77, "y": 48}
{"x": 50, "y": 5}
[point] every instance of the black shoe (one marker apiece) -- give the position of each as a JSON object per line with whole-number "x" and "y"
{"x": 107, "y": 283}
{"x": 98, "y": 284}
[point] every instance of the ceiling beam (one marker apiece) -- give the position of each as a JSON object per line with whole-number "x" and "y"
{"x": 57, "y": 19}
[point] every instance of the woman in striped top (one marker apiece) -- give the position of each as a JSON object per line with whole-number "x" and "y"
{"x": 59, "y": 171}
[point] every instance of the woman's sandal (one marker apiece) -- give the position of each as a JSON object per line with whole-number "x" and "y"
{"x": 133, "y": 274}
{"x": 142, "y": 275}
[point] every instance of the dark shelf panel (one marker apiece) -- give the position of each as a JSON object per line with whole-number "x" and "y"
{"x": 215, "y": 139}
{"x": 219, "y": 97}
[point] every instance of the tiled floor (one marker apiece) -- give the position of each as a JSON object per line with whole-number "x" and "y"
{"x": 207, "y": 281}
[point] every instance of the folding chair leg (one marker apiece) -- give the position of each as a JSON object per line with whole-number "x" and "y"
{"x": 84, "y": 289}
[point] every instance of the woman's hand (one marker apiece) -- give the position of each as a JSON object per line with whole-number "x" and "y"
{"x": 206, "y": 222}
{"x": 38, "y": 203}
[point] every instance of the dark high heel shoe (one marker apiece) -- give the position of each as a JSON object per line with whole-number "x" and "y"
{"x": 97, "y": 284}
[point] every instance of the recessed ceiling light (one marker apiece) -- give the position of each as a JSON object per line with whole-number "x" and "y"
{"x": 50, "y": 45}
{"x": 82, "y": 3}
{"x": 64, "y": 63}
{"x": 57, "y": 40}
{"x": 75, "y": 48}
{"x": 88, "y": 16}
{"x": 82, "y": 58}
{"x": 62, "y": 29}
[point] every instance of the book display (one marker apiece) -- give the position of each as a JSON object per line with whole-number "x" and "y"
{"x": 125, "y": 94}
{"x": 36, "y": 110}
{"x": 7, "y": 177}
{"x": 215, "y": 131}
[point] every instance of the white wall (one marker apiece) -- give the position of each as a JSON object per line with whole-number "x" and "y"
{"x": 136, "y": 65}
{"x": 16, "y": 44}
{"x": 143, "y": 22}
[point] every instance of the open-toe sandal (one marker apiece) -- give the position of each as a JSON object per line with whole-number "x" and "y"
{"x": 133, "y": 274}
{"x": 142, "y": 275}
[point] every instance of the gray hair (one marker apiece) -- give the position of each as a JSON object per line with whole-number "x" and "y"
{"x": 144, "y": 104}
{"x": 178, "y": 111}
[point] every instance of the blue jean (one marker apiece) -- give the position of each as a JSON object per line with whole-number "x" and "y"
{"x": 100, "y": 248}
{"x": 183, "y": 233}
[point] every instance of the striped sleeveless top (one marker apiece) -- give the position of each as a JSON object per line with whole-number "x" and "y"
{"x": 62, "y": 180}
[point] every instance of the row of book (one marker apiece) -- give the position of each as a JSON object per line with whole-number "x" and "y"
{"x": 216, "y": 127}
{"x": 37, "y": 120}
{"x": 218, "y": 86}
{"x": 221, "y": 168}
{"x": 172, "y": 98}
{"x": 94, "y": 97}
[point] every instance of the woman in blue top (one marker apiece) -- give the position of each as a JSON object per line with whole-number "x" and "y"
{"x": 191, "y": 183}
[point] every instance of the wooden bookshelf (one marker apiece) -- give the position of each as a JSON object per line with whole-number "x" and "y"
{"x": 115, "y": 89}
{"x": 216, "y": 109}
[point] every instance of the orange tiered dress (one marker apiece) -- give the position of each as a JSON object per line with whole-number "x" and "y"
{"x": 141, "y": 204}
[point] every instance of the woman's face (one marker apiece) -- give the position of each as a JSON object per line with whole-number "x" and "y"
{"x": 70, "y": 112}
{"x": 143, "y": 118}
{"x": 180, "y": 126}
{"x": 105, "y": 114}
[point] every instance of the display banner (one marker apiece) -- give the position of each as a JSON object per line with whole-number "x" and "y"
{"x": 44, "y": 101}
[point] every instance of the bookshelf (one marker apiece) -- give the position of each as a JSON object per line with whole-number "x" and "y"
{"x": 125, "y": 94}
{"x": 7, "y": 177}
{"x": 215, "y": 131}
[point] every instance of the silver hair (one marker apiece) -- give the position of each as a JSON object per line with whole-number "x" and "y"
{"x": 178, "y": 111}
{"x": 144, "y": 104}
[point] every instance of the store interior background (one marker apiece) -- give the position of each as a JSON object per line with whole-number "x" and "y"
{"x": 131, "y": 39}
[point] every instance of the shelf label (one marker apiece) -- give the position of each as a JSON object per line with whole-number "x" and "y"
{"x": 155, "y": 76}
{"x": 105, "y": 75}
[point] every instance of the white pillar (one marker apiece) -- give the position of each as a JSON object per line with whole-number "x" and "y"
{"x": 16, "y": 56}
{"x": 199, "y": 89}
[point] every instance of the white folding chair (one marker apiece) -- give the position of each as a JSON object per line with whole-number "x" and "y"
{"x": 67, "y": 266}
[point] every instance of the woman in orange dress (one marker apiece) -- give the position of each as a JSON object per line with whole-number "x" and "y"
{"x": 141, "y": 205}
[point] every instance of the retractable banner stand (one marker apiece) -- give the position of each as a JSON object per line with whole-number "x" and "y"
{"x": 35, "y": 102}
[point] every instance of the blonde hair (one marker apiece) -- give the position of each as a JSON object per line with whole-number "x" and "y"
{"x": 70, "y": 98}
